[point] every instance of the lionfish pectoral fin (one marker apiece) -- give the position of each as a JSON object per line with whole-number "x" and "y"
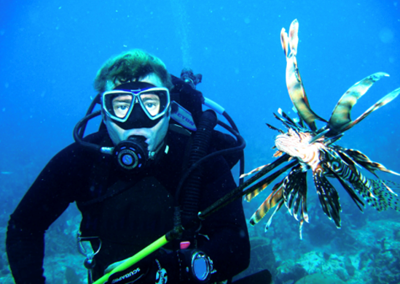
{"x": 269, "y": 166}
{"x": 295, "y": 186}
{"x": 253, "y": 171}
{"x": 388, "y": 188}
{"x": 301, "y": 228}
{"x": 301, "y": 201}
{"x": 272, "y": 215}
{"x": 260, "y": 186}
{"x": 385, "y": 100}
{"x": 340, "y": 116}
{"x": 272, "y": 200}
{"x": 362, "y": 159}
{"x": 256, "y": 191}
{"x": 304, "y": 211}
{"x": 384, "y": 199}
{"x": 356, "y": 199}
{"x": 328, "y": 197}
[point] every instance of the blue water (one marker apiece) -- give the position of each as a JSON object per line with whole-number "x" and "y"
{"x": 50, "y": 52}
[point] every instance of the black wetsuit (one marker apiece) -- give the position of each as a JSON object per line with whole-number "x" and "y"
{"x": 126, "y": 211}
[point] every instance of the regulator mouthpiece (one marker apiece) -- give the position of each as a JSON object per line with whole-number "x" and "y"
{"x": 132, "y": 154}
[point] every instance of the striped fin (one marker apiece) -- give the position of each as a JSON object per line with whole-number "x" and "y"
{"x": 253, "y": 171}
{"x": 341, "y": 113}
{"x": 348, "y": 171}
{"x": 300, "y": 201}
{"x": 267, "y": 181}
{"x": 256, "y": 191}
{"x": 271, "y": 166}
{"x": 295, "y": 186}
{"x": 385, "y": 100}
{"x": 385, "y": 197}
{"x": 361, "y": 159}
{"x": 272, "y": 200}
{"x": 328, "y": 196}
{"x": 368, "y": 188}
{"x": 293, "y": 79}
{"x": 273, "y": 214}
{"x": 301, "y": 229}
{"x": 304, "y": 211}
{"x": 356, "y": 199}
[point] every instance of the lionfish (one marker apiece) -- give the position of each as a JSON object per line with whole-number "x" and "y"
{"x": 310, "y": 148}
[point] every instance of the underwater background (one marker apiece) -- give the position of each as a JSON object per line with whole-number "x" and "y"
{"x": 50, "y": 51}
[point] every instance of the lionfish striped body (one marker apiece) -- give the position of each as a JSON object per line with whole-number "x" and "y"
{"x": 314, "y": 149}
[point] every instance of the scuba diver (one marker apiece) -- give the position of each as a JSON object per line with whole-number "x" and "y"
{"x": 140, "y": 175}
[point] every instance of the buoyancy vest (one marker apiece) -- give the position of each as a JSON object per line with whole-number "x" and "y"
{"x": 128, "y": 221}
{"x": 129, "y": 213}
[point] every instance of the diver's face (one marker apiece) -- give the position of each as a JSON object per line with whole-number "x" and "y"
{"x": 154, "y": 135}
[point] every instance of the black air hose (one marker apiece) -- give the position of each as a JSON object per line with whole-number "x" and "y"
{"x": 199, "y": 149}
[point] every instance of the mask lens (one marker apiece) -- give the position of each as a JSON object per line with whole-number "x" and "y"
{"x": 154, "y": 101}
{"x": 121, "y": 105}
{"x": 151, "y": 102}
{"x": 117, "y": 103}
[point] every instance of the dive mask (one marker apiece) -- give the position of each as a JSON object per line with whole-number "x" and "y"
{"x": 136, "y": 104}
